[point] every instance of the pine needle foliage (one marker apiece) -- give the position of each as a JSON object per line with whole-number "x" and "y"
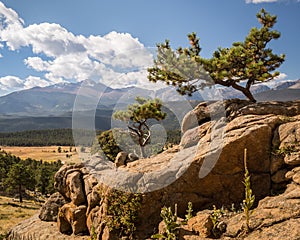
{"x": 137, "y": 116}
{"x": 240, "y": 66}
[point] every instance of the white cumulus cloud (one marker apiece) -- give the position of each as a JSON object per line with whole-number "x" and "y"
{"x": 33, "y": 81}
{"x": 63, "y": 56}
{"x": 37, "y": 63}
{"x": 11, "y": 82}
{"x": 10, "y": 17}
{"x": 15, "y": 83}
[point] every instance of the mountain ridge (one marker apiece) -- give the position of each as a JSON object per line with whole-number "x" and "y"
{"x": 59, "y": 98}
{"x": 52, "y": 107}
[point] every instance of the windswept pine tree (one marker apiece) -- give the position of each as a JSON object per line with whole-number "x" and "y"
{"x": 136, "y": 117}
{"x": 240, "y": 66}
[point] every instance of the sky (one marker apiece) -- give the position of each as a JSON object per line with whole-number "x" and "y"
{"x": 46, "y": 42}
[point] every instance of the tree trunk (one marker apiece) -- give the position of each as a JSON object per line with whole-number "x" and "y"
{"x": 20, "y": 193}
{"x": 43, "y": 189}
{"x": 245, "y": 91}
{"x": 142, "y": 151}
{"x": 249, "y": 95}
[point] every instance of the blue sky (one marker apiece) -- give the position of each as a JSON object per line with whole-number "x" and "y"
{"x": 45, "y": 42}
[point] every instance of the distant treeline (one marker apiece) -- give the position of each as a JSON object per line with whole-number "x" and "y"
{"x": 50, "y": 137}
{"x": 60, "y": 137}
{"x": 17, "y": 175}
{"x": 47, "y": 137}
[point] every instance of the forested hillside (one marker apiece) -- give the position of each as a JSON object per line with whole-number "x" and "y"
{"x": 47, "y": 137}
{"x": 16, "y": 175}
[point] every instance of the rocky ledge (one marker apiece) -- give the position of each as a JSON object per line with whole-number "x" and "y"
{"x": 206, "y": 169}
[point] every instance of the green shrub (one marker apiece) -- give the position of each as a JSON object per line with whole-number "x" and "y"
{"x": 123, "y": 211}
{"x": 3, "y": 236}
{"x": 107, "y": 144}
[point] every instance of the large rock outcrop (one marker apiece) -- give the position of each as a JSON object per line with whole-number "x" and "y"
{"x": 206, "y": 169}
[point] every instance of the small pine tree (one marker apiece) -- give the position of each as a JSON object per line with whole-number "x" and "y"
{"x": 43, "y": 176}
{"x": 19, "y": 177}
{"x": 136, "y": 117}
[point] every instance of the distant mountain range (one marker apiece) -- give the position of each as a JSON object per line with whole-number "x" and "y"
{"x": 51, "y": 107}
{"x": 53, "y": 100}
{"x": 287, "y": 91}
{"x": 59, "y": 98}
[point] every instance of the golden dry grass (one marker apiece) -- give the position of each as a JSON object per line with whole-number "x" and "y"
{"x": 11, "y": 213}
{"x": 47, "y": 153}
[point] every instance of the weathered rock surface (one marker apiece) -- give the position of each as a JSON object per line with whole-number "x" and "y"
{"x": 49, "y": 210}
{"x": 201, "y": 224}
{"x": 233, "y": 108}
{"x": 72, "y": 219}
{"x": 75, "y": 190}
{"x": 206, "y": 169}
{"x": 275, "y": 218}
{"x": 288, "y": 109}
{"x": 191, "y": 137}
{"x": 121, "y": 159}
{"x": 67, "y": 185}
{"x": 36, "y": 229}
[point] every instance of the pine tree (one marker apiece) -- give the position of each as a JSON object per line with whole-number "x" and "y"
{"x": 43, "y": 177}
{"x": 19, "y": 177}
{"x": 136, "y": 117}
{"x": 250, "y": 61}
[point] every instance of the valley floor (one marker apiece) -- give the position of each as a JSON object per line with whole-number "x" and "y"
{"x": 46, "y": 153}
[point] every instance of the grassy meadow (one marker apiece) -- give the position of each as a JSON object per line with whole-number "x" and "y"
{"x": 12, "y": 212}
{"x": 46, "y": 153}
